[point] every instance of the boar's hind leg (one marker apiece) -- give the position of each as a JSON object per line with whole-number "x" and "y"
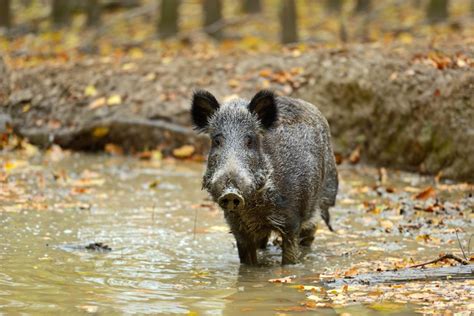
{"x": 247, "y": 253}
{"x": 262, "y": 243}
{"x": 307, "y": 234}
{"x": 291, "y": 250}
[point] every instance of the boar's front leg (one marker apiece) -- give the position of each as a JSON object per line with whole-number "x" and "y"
{"x": 290, "y": 248}
{"x": 247, "y": 250}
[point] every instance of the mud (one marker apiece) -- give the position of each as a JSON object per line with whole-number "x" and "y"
{"x": 408, "y": 107}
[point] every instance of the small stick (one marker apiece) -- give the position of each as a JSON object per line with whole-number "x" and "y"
{"x": 447, "y": 256}
{"x": 469, "y": 245}
{"x": 460, "y": 246}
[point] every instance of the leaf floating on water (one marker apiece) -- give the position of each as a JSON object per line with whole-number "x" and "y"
{"x": 426, "y": 194}
{"x": 92, "y": 309}
{"x": 387, "y": 307}
{"x": 154, "y": 184}
{"x": 287, "y": 279}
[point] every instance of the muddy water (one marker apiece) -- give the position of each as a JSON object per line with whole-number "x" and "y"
{"x": 171, "y": 250}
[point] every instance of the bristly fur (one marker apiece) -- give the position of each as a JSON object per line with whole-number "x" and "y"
{"x": 276, "y": 152}
{"x": 264, "y": 106}
{"x": 203, "y": 105}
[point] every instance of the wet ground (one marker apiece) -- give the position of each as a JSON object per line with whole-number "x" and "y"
{"x": 171, "y": 251}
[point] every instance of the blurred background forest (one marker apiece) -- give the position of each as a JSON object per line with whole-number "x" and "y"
{"x": 32, "y": 31}
{"x": 391, "y": 76}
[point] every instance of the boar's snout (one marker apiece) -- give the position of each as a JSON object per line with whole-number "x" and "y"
{"x": 231, "y": 200}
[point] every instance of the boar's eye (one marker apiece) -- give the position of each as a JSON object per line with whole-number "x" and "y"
{"x": 249, "y": 141}
{"x": 217, "y": 141}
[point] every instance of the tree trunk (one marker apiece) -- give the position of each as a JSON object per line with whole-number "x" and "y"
{"x": 362, "y": 6}
{"x": 4, "y": 82}
{"x": 288, "y": 22}
{"x": 61, "y": 13}
{"x": 334, "y": 6}
{"x": 212, "y": 10}
{"x": 437, "y": 11}
{"x": 168, "y": 22}
{"x": 472, "y": 8}
{"x": 93, "y": 13}
{"x": 251, "y": 6}
{"x": 5, "y": 18}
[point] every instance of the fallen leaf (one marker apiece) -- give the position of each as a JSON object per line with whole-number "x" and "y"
{"x": 233, "y": 83}
{"x": 185, "y": 151}
{"x": 114, "y": 149}
{"x": 355, "y": 155}
{"x": 426, "y": 193}
{"x": 97, "y": 103}
{"x": 287, "y": 279}
{"x": 100, "y": 132}
{"x": 114, "y": 100}
{"x": 90, "y": 91}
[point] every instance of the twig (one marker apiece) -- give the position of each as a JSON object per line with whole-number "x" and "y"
{"x": 460, "y": 246}
{"x": 447, "y": 256}
{"x": 469, "y": 245}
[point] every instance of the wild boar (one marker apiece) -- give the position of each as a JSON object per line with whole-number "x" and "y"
{"x": 270, "y": 168}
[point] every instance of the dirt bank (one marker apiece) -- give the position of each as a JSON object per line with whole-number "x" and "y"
{"x": 404, "y": 107}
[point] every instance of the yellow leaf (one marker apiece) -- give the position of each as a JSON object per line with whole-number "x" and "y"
{"x": 129, "y": 66}
{"x": 114, "y": 100}
{"x": 185, "y": 151}
{"x": 136, "y": 53}
{"x": 14, "y": 164}
{"x": 90, "y": 91}
{"x": 386, "y": 224}
{"x": 387, "y": 307}
{"x": 26, "y": 107}
{"x": 233, "y": 83}
{"x": 100, "y": 132}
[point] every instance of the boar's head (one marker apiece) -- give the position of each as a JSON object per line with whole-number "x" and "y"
{"x": 237, "y": 168}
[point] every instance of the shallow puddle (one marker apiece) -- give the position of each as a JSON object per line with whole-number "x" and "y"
{"x": 171, "y": 249}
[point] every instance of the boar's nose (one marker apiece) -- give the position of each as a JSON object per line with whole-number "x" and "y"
{"x": 231, "y": 200}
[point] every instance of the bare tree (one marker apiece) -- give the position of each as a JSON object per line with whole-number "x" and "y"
{"x": 5, "y": 17}
{"x": 61, "y": 13}
{"x": 362, "y": 6}
{"x": 334, "y": 6}
{"x": 168, "y": 22}
{"x": 437, "y": 11}
{"x": 212, "y": 10}
{"x": 93, "y": 13}
{"x": 251, "y": 6}
{"x": 288, "y": 21}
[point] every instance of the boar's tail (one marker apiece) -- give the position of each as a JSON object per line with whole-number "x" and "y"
{"x": 327, "y": 218}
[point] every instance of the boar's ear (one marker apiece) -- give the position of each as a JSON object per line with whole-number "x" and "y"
{"x": 263, "y": 104}
{"x": 203, "y": 106}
